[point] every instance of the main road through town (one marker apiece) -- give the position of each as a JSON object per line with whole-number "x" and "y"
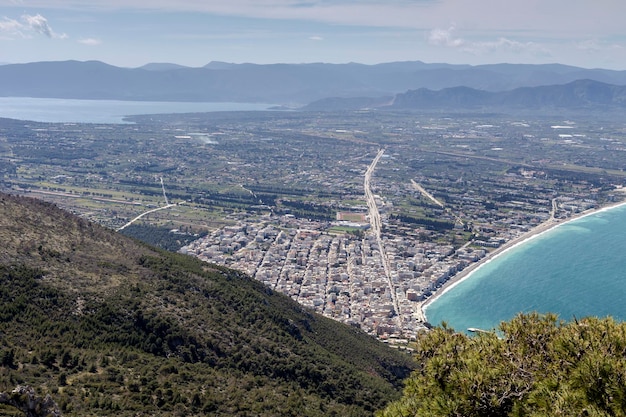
{"x": 376, "y": 224}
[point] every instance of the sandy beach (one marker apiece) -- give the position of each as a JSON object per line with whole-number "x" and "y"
{"x": 531, "y": 234}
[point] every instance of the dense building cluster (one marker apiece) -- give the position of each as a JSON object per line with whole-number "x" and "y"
{"x": 339, "y": 275}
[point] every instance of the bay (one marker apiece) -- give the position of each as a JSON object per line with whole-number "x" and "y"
{"x": 53, "y": 110}
{"x": 577, "y": 269}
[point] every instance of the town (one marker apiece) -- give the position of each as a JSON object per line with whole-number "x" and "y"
{"x": 361, "y": 216}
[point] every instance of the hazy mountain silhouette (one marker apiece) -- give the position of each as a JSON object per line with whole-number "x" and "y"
{"x": 296, "y": 84}
{"x": 574, "y": 95}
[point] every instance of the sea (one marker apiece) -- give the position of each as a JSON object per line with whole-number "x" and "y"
{"x": 575, "y": 270}
{"x": 54, "y": 110}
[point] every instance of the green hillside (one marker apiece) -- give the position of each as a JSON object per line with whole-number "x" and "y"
{"x": 109, "y": 326}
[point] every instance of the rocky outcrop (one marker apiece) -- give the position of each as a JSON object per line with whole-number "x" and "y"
{"x": 26, "y": 400}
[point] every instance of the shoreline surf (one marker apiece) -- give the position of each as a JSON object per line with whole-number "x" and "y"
{"x": 508, "y": 246}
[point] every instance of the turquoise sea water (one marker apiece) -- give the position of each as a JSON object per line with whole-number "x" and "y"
{"x": 577, "y": 269}
{"x": 104, "y": 111}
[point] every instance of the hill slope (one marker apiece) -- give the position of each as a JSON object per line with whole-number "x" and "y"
{"x": 112, "y": 327}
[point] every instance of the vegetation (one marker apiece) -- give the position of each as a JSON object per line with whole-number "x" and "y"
{"x": 161, "y": 237}
{"x": 439, "y": 225}
{"x": 534, "y": 366}
{"x": 108, "y": 326}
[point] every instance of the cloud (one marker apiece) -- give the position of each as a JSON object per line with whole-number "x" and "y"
{"x": 90, "y": 41}
{"x": 28, "y": 23}
{"x": 596, "y": 46}
{"x": 508, "y": 45}
{"x": 447, "y": 38}
{"x": 554, "y": 18}
{"x": 375, "y": 13}
{"x": 316, "y": 38}
{"x": 10, "y": 27}
{"x": 442, "y": 37}
{"x": 38, "y": 23}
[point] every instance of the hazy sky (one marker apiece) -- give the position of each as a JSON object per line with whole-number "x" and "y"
{"x": 130, "y": 33}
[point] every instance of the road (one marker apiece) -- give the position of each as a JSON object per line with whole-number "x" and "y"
{"x": 426, "y": 193}
{"x": 376, "y": 225}
{"x": 434, "y": 200}
{"x": 166, "y": 206}
{"x": 163, "y": 188}
{"x": 145, "y": 214}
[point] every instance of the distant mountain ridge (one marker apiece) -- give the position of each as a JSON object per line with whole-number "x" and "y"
{"x": 290, "y": 84}
{"x": 575, "y": 95}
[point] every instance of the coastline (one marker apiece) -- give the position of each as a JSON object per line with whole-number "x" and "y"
{"x": 510, "y": 245}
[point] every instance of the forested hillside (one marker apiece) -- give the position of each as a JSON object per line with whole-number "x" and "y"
{"x": 109, "y": 326}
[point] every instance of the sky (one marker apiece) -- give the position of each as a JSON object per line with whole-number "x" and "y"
{"x": 131, "y": 33}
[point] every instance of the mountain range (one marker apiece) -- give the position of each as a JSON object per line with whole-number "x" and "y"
{"x": 280, "y": 84}
{"x": 106, "y": 325}
{"x": 579, "y": 94}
